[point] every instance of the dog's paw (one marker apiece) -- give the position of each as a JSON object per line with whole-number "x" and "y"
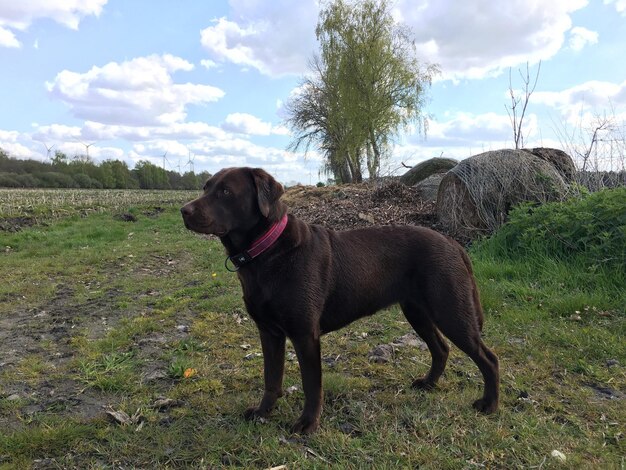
{"x": 485, "y": 406}
{"x": 423, "y": 384}
{"x": 254, "y": 412}
{"x": 305, "y": 425}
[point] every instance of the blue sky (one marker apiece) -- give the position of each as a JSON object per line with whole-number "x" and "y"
{"x": 207, "y": 80}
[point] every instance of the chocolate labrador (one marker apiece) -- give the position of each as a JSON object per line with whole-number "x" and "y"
{"x": 301, "y": 281}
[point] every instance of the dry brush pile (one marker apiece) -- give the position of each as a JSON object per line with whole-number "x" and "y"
{"x": 360, "y": 205}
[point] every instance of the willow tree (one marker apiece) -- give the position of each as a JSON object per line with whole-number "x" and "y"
{"x": 366, "y": 86}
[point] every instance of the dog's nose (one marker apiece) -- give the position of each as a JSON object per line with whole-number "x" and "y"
{"x": 186, "y": 210}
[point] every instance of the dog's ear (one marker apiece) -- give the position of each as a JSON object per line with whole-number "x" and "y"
{"x": 268, "y": 190}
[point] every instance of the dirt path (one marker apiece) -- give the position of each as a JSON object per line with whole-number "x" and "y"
{"x": 40, "y": 339}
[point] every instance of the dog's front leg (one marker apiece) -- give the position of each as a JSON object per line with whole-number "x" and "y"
{"x": 308, "y": 352}
{"x": 274, "y": 366}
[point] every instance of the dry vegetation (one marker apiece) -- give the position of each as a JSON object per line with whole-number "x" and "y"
{"x": 26, "y": 207}
{"x": 360, "y": 205}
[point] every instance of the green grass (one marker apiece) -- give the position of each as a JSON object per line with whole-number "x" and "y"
{"x": 139, "y": 297}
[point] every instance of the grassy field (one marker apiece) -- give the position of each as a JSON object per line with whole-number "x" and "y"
{"x": 124, "y": 343}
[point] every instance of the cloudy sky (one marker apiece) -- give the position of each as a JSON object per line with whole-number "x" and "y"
{"x": 206, "y": 80}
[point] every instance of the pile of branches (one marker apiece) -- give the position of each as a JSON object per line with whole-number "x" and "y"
{"x": 360, "y": 205}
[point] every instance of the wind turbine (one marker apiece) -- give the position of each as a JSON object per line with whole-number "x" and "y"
{"x": 48, "y": 150}
{"x": 86, "y": 147}
{"x": 190, "y": 160}
{"x": 165, "y": 159}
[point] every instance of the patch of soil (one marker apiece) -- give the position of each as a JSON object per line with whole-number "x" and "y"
{"x": 126, "y": 217}
{"x": 15, "y": 224}
{"x": 606, "y": 393}
{"x": 46, "y": 333}
{"x": 154, "y": 212}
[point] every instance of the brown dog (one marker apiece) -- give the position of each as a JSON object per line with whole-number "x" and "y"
{"x": 301, "y": 281}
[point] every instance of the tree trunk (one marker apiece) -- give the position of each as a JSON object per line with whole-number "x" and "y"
{"x": 373, "y": 164}
{"x": 355, "y": 167}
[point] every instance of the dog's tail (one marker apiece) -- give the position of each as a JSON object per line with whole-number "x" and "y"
{"x": 475, "y": 293}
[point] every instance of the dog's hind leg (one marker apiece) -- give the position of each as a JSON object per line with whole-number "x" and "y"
{"x": 465, "y": 335}
{"x": 439, "y": 349}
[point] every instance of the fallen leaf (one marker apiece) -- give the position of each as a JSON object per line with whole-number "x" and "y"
{"x": 558, "y": 455}
{"x": 121, "y": 417}
{"x": 163, "y": 403}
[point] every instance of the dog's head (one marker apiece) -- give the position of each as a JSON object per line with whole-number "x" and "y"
{"x": 234, "y": 199}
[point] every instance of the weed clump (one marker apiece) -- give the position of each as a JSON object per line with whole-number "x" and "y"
{"x": 590, "y": 229}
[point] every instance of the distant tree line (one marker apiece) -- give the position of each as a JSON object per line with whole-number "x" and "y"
{"x": 82, "y": 172}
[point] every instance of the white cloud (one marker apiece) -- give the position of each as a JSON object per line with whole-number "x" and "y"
{"x": 170, "y": 148}
{"x": 208, "y": 64}
{"x": 212, "y": 148}
{"x": 468, "y": 39}
{"x": 243, "y": 123}
{"x": 137, "y": 92}
{"x": 247, "y": 124}
{"x": 180, "y": 130}
{"x": 280, "y": 130}
{"x": 8, "y": 136}
{"x": 592, "y": 97}
{"x": 106, "y": 153}
{"x": 462, "y": 134}
{"x": 580, "y": 37}
{"x": 276, "y": 38}
{"x": 96, "y": 153}
{"x": 19, "y": 15}
{"x": 463, "y": 129}
{"x": 211, "y": 154}
{"x": 56, "y": 133}
{"x": 95, "y": 132}
{"x": 227, "y": 41}
{"x": 16, "y": 144}
{"x": 479, "y": 38}
{"x": 8, "y": 39}
{"x": 620, "y": 5}
{"x": 17, "y": 150}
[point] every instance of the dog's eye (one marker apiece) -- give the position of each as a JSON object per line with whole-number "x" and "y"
{"x": 225, "y": 192}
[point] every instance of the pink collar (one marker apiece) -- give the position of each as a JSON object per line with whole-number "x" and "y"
{"x": 261, "y": 244}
